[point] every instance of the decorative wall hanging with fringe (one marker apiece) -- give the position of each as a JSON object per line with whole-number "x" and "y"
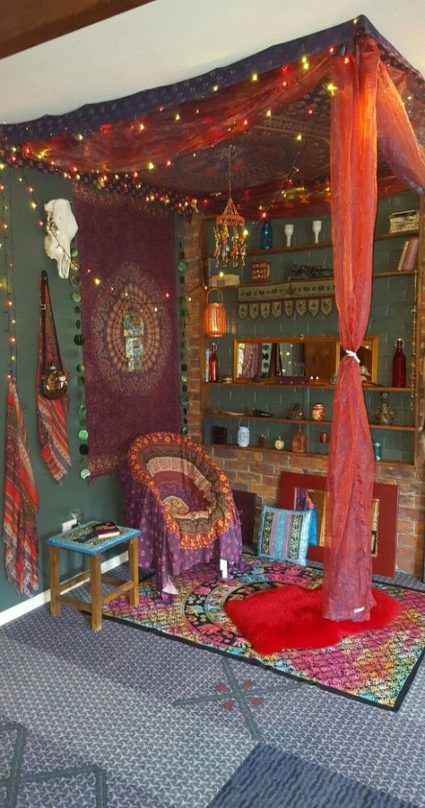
{"x": 20, "y": 502}
{"x": 52, "y": 392}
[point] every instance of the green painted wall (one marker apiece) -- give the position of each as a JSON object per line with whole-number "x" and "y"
{"x": 101, "y": 498}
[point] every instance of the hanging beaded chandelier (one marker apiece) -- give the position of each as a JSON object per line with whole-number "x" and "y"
{"x": 230, "y": 231}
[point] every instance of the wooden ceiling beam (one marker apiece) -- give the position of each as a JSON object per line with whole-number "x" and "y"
{"x": 25, "y": 23}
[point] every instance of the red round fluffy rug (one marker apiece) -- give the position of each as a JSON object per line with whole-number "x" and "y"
{"x": 291, "y": 617}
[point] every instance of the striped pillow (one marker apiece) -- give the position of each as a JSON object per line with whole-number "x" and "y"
{"x": 285, "y": 535}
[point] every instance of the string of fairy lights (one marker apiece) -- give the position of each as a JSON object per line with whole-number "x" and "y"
{"x": 76, "y": 296}
{"x": 131, "y": 182}
{"x": 8, "y": 280}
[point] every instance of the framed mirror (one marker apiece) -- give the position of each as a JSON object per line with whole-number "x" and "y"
{"x": 308, "y": 358}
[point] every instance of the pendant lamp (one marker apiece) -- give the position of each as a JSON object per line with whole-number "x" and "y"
{"x": 215, "y": 319}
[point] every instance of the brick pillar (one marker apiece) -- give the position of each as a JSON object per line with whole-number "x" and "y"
{"x": 194, "y": 294}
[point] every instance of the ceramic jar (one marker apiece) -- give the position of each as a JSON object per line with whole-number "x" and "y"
{"x": 243, "y": 435}
{"x": 318, "y": 412}
{"x": 279, "y": 444}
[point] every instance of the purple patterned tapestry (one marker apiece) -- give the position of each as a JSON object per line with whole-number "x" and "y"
{"x": 129, "y": 318}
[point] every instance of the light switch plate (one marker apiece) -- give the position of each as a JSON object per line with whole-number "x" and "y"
{"x": 68, "y": 525}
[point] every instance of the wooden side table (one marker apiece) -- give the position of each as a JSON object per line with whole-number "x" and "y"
{"x": 94, "y": 549}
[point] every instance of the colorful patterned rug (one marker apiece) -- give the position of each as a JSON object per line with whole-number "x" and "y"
{"x": 376, "y": 667}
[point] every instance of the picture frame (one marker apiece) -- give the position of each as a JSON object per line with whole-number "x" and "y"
{"x": 384, "y": 527}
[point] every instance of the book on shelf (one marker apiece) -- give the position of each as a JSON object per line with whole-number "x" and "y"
{"x": 408, "y": 255}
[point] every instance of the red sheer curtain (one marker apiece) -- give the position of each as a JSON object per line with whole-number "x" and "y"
{"x": 397, "y": 139}
{"x": 367, "y": 103}
{"x": 348, "y": 565}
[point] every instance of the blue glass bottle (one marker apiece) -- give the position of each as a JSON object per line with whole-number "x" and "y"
{"x": 266, "y": 235}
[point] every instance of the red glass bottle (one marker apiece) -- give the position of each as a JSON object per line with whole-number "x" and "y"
{"x": 399, "y": 365}
{"x": 213, "y": 364}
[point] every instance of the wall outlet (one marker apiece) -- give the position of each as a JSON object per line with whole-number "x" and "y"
{"x": 68, "y": 525}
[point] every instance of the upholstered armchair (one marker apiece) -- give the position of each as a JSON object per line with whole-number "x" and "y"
{"x": 182, "y": 504}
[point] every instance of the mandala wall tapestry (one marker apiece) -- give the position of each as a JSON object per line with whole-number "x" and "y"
{"x": 129, "y": 315}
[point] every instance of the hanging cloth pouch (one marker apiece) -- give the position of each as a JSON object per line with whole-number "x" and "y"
{"x": 53, "y": 380}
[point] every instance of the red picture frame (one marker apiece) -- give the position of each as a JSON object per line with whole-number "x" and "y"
{"x": 387, "y": 495}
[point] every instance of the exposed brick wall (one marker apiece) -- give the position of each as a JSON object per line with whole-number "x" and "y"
{"x": 258, "y": 470}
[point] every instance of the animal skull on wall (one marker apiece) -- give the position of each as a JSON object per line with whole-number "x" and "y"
{"x": 61, "y": 228}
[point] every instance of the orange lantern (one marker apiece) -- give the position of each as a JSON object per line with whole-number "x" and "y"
{"x": 215, "y": 319}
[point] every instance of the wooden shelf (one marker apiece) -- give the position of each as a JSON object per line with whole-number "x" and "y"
{"x": 376, "y": 275}
{"x": 399, "y": 234}
{"x": 295, "y": 421}
{"x": 323, "y": 455}
{"x": 322, "y": 245}
{"x": 314, "y": 385}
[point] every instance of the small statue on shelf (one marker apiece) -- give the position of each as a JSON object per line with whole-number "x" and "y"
{"x": 364, "y": 374}
{"x": 385, "y": 414}
{"x": 296, "y": 413}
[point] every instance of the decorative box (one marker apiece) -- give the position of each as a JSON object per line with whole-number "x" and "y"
{"x": 404, "y": 220}
{"x": 260, "y": 272}
{"x": 219, "y": 434}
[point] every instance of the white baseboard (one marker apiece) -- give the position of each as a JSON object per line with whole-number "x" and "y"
{"x": 44, "y": 597}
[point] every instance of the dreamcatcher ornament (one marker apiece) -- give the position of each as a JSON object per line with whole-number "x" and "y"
{"x": 230, "y": 231}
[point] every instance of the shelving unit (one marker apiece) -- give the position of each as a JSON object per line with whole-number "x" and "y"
{"x": 226, "y": 402}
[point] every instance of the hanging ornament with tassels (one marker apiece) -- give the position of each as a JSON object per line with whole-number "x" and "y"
{"x": 230, "y": 231}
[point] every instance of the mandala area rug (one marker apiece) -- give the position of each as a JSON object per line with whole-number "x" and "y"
{"x": 376, "y": 667}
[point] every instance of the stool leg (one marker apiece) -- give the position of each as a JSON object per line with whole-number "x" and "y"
{"x": 55, "y": 604}
{"x": 96, "y": 592}
{"x": 133, "y": 570}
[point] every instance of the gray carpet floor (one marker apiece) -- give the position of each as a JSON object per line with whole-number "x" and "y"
{"x": 128, "y": 718}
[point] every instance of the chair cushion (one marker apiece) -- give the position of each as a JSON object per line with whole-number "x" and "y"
{"x": 285, "y": 535}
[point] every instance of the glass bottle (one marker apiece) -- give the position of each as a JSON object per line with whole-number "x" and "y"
{"x": 399, "y": 365}
{"x": 213, "y": 369}
{"x": 266, "y": 235}
{"x": 299, "y": 441}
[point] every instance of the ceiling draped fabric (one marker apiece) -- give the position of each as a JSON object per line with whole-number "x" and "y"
{"x": 272, "y": 107}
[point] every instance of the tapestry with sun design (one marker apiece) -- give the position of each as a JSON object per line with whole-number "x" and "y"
{"x": 129, "y": 317}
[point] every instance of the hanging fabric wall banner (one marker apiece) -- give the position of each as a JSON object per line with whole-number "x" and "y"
{"x": 129, "y": 317}
{"x": 20, "y": 502}
{"x": 302, "y": 296}
{"x": 52, "y": 395}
